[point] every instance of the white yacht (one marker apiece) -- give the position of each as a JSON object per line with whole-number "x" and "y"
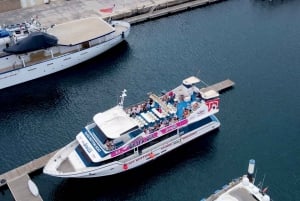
{"x": 120, "y": 139}
{"x": 241, "y": 189}
{"x": 61, "y": 46}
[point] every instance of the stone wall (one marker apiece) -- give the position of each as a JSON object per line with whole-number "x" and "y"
{"x": 7, "y": 5}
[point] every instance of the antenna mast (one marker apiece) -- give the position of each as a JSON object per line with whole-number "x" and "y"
{"x": 123, "y": 97}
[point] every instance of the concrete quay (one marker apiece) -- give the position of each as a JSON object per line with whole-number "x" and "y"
{"x": 134, "y": 11}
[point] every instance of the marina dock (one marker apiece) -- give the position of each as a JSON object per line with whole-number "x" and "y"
{"x": 17, "y": 179}
{"x": 220, "y": 86}
{"x": 19, "y": 189}
{"x": 58, "y": 11}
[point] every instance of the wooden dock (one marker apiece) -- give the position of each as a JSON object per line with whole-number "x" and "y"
{"x": 17, "y": 179}
{"x": 220, "y": 86}
{"x": 162, "y": 9}
{"x": 20, "y": 190}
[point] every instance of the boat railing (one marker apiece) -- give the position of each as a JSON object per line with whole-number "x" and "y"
{"x": 163, "y": 105}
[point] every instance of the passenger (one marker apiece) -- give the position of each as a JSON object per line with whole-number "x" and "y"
{"x": 138, "y": 109}
{"x": 181, "y": 98}
{"x": 109, "y": 144}
{"x": 175, "y": 102}
{"x": 129, "y": 112}
{"x": 173, "y": 120}
{"x": 134, "y": 112}
{"x": 156, "y": 126}
{"x": 148, "y": 106}
{"x": 144, "y": 107}
{"x": 165, "y": 98}
{"x": 165, "y": 122}
{"x": 151, "y": 129}
{"x": 150, "y": 101}
{"x": 198, "y": 95}
{"x": 186, "y": 113}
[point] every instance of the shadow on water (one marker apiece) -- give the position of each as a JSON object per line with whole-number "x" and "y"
{"x": 50, "y": 90}
{"x": 128, "y": 184}
{"x": 34, "y": 98}
{"x": 271, "y": 2}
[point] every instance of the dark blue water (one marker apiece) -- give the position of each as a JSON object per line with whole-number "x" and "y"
{"x": 253, "y": 42}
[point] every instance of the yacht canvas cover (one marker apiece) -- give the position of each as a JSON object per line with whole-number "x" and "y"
{"x": 34, "y": 41}
{"x": 3, "y": 33}
{"x": 81, "y": 30}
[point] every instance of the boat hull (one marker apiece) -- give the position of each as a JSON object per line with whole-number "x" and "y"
{"x": 56, "y": 64}
{"x": 136, "y": 160}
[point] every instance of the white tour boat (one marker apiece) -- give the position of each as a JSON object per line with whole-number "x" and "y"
{"x": 120, "y": 139}
{"x": 61, "y": 46}
{"x": 241, "y": 189}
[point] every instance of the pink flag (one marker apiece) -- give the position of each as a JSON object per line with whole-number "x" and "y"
{"x": 107, "y": 10}
{"x": 212, "y": 104}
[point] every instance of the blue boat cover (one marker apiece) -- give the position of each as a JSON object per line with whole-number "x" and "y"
{"x": 3, "y": 33}
{"x": 34, "y": 41}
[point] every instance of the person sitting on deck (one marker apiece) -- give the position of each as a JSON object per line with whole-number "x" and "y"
{"x": 109, "y": 144}
{"x": 171, "y": 97}
{"x": 148, "y": 106}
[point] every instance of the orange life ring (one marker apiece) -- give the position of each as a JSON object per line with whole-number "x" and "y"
{"x": 151, "y": 155}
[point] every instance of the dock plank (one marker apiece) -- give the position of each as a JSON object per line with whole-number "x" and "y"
{"x": 20, "y": 190}
{"x": 25, "y": 169}
{"x": 220, "y": 86}
{"x": 156, "y": 11}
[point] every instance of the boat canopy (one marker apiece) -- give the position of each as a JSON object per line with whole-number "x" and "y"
{"x": 79, "y": 31}
{"x": 34, "y": 41}
{"x": 4, "y": 33}
{"x": 114, "y": 122}
{"x": 209, "y": 94}
{"x": 191, "y": 80}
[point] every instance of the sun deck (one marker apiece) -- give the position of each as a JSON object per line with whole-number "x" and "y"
{"x": 78, "y": 31}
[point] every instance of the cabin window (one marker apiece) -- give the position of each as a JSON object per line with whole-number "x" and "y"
{"x": 157, "y": 140}
{"x": 195, "y": 125}
{"x": 85, "y": 45}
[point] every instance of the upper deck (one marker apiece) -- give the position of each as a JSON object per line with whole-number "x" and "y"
{"x": 78, "y": 31}
{"x": 118, "y": 127}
